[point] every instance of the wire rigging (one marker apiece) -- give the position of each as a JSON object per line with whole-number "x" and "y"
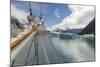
{"x": 30, "y": 9}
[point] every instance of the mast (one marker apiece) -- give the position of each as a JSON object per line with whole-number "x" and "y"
{"x": 41, "y": 15}
{"x": 41, "y": 18}
{"x": 31, "y": 18}
{"x": 30, "y": 9}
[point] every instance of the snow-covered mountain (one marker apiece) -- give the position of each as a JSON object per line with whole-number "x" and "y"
{"x": 16, "y": 26}
{"x": 19, "y": 20}
{"x": 68, "y": 30}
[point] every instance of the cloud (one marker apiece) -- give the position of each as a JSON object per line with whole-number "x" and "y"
{"x": 80, "y": 17}
{"x": 56, "y": 13}
{"x": 21, "y": 15}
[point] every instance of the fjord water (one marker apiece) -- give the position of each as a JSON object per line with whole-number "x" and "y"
{"x": 57, "y": 48}
{"x": 74, "y": 48}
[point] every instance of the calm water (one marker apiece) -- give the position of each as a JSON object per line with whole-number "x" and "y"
{"x": 74, "y": 48}
{"x": 58, "y": 48}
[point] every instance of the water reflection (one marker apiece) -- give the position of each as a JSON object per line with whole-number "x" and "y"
{"x": 74, "y": 48}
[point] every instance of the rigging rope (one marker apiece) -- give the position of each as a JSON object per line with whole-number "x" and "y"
{"x": 30, "y": 9}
